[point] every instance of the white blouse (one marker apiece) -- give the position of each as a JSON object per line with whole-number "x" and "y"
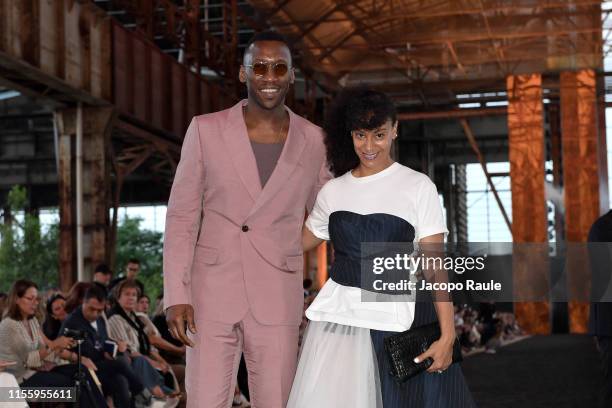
{"x": 397, "y": 190}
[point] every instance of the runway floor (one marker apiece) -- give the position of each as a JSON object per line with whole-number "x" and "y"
{"x": 560, "y": 371}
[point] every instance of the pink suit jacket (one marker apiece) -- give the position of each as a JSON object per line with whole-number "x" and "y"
{"x": 230, "y": 245}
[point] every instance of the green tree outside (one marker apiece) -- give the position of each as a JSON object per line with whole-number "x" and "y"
{"x": 25, "y": 249}
{"x": 29, "y": 250}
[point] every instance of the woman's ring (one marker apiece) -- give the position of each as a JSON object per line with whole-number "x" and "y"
{"x": 439, "y": 371}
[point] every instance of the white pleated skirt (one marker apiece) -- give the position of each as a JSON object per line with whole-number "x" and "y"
{"x": 337, "y": 368}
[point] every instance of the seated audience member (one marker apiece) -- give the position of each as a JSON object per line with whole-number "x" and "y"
{"x": 143, "y": 304}
{"x": 176, "y": 354}
{"x": 22, "y": 341}
{"x": 56, "y": 313}
{"x": 117, "y": 377}
{"x": 165, "y": 348}
{"x": 131, "y": 272}
{"x": 102, "y": 275}
{"x": 9, "y": 380}
{"x": 76, "y": 295}
{"x": 124, "y": 325}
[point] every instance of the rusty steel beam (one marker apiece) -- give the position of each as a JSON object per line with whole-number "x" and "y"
{"x": 483, "y": 164}
{"x": 361, "y": 30}
{"x": 329, "y": 51}
{"x": 96, "y": 187}
{"x": 230, "y": 37}
{"x": 530, "y": 264}
{"x": 453, "y": 52}
{"x": 279, "y": 6}
{"x": 446, "y": 11}
{"x": 498, "y": 52}
{"x": 452, "y": 114}
{"x": 581, "y": 180}
{"x": 533, "y": 57}
{"x": 67, "y": 244}
{"x": 526, "y": 138}
{"x": 97, "y": 124}
{"x": 311, "y": 38}
{"x": 320, "y": 20}
{"x": 161, "y": 143}
{"x": 192, "y": 33}
{"x": 579, "y": 143}
{"x": 474, "y": 36}
{"x": 65, "y": 46}
{"x": 128, "y": 163}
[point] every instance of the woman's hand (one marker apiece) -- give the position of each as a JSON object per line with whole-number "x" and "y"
{"x": 62, "y": 343}
{"x": 4, "y": 364}
{"x": 441, "y": 351}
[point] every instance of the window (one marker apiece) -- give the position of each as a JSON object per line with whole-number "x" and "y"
{"x": 485, "y": 220}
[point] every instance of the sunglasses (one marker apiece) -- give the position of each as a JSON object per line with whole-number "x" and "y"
{"x": 279, "y": 69}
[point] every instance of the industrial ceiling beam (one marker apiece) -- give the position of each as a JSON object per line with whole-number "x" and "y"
{"x": 466, "y": 36}
{"x": 450, "y": 11}
{"x": 279, "y": 7}
{"x": 452, "y": 114}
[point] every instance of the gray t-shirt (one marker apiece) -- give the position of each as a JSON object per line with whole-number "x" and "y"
{"x": 266, "y": 156}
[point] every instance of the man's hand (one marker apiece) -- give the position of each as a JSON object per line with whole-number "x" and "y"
{"x": 86, "y": 361}
{"x": 177, "y": 316}
{"x": 62, "y": 343}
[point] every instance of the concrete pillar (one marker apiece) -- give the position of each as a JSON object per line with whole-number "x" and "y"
{"x": 97, "y": 125}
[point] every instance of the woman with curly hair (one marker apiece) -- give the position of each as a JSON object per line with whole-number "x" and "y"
{"x": 372, "y": 199}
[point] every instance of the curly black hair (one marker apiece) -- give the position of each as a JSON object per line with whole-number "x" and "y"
{"x": 353, "y": 109}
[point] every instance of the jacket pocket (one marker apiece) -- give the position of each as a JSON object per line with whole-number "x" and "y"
{"x": 295, "y": 263}
{"x": 208, "y": 256}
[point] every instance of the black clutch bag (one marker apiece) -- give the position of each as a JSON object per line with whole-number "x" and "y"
{"x": 402, "y": 348}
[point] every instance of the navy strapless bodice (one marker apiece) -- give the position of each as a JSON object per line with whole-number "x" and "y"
{"x": 348, "y": 230}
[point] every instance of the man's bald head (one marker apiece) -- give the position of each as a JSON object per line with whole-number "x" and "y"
{"x": 261, "y": 37}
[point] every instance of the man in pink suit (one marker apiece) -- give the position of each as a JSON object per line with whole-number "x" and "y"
{"x": 232, "y": 249}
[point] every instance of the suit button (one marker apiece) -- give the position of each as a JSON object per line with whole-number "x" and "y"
{"x": 245, "y": 228}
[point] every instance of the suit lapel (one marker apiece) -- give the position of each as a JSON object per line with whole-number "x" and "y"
{"x": 294, "y": 145}
{"x": 241, "y": 153}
